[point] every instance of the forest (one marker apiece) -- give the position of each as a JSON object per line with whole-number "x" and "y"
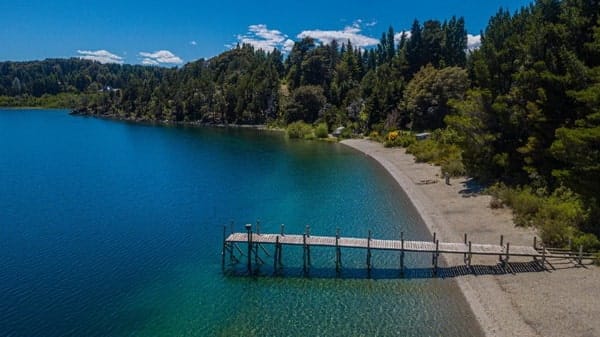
{"x": 521, "y": 113}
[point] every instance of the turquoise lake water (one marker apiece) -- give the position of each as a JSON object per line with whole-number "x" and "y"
{"x": 115, "y": 229}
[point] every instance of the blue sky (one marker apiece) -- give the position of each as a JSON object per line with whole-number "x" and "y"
{"x": 174, "y": 32}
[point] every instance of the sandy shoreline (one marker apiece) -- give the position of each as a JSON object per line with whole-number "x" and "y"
{"x": 560, "y": 302}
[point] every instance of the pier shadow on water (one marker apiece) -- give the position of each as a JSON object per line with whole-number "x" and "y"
{"x": 512, "y": 268}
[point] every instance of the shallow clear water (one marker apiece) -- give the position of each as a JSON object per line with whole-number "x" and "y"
{"x": 115, "y": 229}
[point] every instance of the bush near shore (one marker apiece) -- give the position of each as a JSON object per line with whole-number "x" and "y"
{"x": 559, "y": 215}
{"x": 302, "y": 130}
{"x": 440, "y": 149}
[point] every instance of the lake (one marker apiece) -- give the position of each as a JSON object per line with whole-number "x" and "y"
{"x": 115, "y": 229}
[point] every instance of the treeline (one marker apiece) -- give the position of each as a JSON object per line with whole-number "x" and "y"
{"x": 523, "y": 109}
{"x": 54, "y": 76}
{"x": 532, "y": 116}
{"x": 337, "y": 83}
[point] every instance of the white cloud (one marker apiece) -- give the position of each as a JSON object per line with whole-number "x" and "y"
{"x": 193, "y": 42}
{"x": 149, "y": 62}
{"x": 288, "y": 45}
{"x": 371, "y": 24}
{"x": 102, "y": 56}
{"x": 351, "y": 33}
{"x": 473, "y": 42}
{"x": 261, "y": 37}
{"x": 398, "y": 36}
{"x": 160, "y": 57}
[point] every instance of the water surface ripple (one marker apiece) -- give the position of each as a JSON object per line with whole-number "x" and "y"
{"x": 115, "y": 229}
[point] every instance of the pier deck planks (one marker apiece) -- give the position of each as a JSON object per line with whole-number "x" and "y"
{"x": 379, "y": 244}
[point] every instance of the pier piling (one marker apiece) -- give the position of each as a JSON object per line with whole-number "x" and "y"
{"x": 306, "y": 240}
{"x": 249, "y": 230}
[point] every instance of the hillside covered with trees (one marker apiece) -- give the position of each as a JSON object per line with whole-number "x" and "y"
{"x": 523, "y": 110}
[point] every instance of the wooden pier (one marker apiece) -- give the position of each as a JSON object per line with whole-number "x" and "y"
{"x": 255, "y": 242}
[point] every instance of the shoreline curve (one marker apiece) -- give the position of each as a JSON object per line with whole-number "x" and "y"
{"x": 504, "y": 305}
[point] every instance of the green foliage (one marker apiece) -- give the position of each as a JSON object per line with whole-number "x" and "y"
{"x": 440, "y": 149}
{"x": 348, "y": 132}
{"x": 454, "y": 167}
{"x": 427, "y": 95}
{"x": 399, "y": 138}
{"x": 558, "y": 216}
{"x": 300, "y": 130}
{"x": 321, "y": 131}
{"x": 60, "y": 100}
{"x": 588, "y": 241}
{"x": 307, "y": 102}
{"x": 425, "y": 151}
{"x": 376, "y": 136}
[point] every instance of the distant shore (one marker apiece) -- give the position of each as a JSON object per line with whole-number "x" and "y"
{"x": 172, "y": 122}
{"x": 558, "y": 303}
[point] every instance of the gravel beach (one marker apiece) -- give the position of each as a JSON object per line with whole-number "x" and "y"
{"x": 559, "y": 302}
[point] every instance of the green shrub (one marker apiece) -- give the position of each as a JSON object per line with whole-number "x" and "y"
{"x": 454, "y": 167}
{"x": 399, "y": 138}
{"x": 309, "y": 136}
{"x": 321, "y": 131}
{"x": 347, "y": 133}
{"x": 524, "y": 203}
{"x": 299, "y": 130}
{"x": 589, "y": 242}
{"x": 376, "y": 136}
{"x": 558, "y": 216}
{"x": 425, "y": 150}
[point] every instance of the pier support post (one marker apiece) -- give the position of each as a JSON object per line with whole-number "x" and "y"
{"x": 338, "y": 252}
{"x": 257, "y": 245}
{"x": 276, "y": 255}
{"x": 436, "y": 256}
{"x": 470, "y": 255}
{"x": 279, "y": 260}
{"x": 306, "y": 254}
{"x": 501, "y": 245}
{"x": 369, "y": 255}
{"x": 232, "y": 258}
{"x": 507, "y": 257}
{"x": 307, "y": 245}
{"x": 249, "y": 230}
{"x": 224, "y": 251}
{"x": 535, "y": 242}
{"x": 544, "y": 258}
{"x": 402, "y": 254}
{"x": 282, "y": 229}
{"x": 433, "y": 237}
{"x": 465, "y": 255}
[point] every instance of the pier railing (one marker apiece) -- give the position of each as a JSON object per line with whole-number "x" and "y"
{"x": 255, "y": 243}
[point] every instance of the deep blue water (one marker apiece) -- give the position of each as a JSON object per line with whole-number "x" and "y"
{"x": 115, "y": 229}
